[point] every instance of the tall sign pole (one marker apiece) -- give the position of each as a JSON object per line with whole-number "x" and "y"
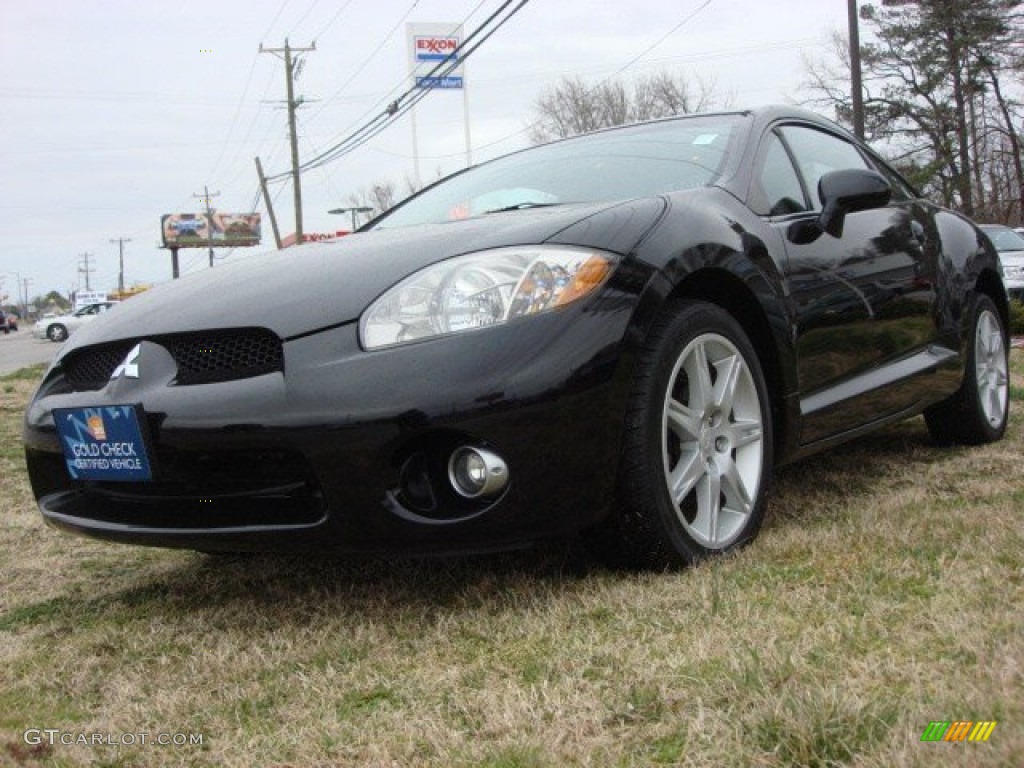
{"x": 430, "y": 45}
{"x": 465, "y": 118}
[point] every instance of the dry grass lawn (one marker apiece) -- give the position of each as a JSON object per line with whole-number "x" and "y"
{"x": 884, "y": 592}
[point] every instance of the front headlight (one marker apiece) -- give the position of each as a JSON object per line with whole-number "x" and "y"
{"x": 480, "y": 290}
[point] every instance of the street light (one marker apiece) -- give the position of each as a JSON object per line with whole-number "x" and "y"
{"x": 353, "y": 211}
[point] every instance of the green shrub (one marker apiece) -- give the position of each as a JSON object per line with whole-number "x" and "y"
{"x": 1016, "y": 318}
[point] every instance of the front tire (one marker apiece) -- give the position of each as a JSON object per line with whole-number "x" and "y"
{"x": 977, "y": 413}
{"x": 56, "y": 333}
{"x": 697, "y": 452}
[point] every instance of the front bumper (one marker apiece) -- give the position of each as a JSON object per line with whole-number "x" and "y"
{"x": 330, "y": 455}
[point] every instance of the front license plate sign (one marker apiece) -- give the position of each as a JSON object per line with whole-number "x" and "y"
{"x": 103, "y": 443}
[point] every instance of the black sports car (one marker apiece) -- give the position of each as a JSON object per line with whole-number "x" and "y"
{"x": 622, "y": 332}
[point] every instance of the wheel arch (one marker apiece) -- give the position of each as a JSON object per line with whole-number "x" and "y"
{"x": 990, "y": 284}
{"x": 724, "y": 289}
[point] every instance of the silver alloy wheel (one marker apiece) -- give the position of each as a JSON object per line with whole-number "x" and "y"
{"x": 990, "y": 367}
{"x": 712, "y": 446}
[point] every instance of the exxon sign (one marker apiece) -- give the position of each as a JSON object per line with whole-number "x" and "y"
{"x": 433, "y": 48}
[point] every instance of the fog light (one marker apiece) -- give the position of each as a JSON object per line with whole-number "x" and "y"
{"x": 476, "y": 472}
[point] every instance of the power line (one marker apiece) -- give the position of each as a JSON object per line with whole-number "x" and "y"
{"x": 303, "y": 17}
{"x": 234, "y": 120}
{"x": 367, "y": 60}
{"x": 661, "y": 39}
{"x": 276, "y": 17}
{"x": 334, "y": 18}
{"x": 397, "y": 109}
{"x": 618, "y": 72}
{"x": 401, "y": 83}
{"x": 271, "y": 125}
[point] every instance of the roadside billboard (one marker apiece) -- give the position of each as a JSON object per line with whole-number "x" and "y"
{"x": 431, "y": 44}
{"x": 222, "y": 230}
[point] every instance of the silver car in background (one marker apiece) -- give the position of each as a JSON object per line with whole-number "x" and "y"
{"x": 1010, "y": 245}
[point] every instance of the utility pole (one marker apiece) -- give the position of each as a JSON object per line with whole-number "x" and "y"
{"x": 24, "y": 304}
{"x": 120, "y": 273}
{"x": 289, "y": 73}
{"x": 86, "y": 269}
{"x": 269, "y": 202}
{"x": 856, "y": 86}
{"x": 209, "y": 217}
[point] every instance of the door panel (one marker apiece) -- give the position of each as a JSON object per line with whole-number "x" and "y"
{"x": 862, "y": 301}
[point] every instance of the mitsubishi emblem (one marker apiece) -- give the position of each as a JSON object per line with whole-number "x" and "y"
{"x": 129, "y": 368}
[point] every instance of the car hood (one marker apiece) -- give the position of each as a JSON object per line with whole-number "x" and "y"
{"x": 319, "y": 285}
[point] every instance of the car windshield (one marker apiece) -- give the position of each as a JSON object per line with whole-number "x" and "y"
{"x": 613, "y": 165}
{"x": 1004, "y": 238}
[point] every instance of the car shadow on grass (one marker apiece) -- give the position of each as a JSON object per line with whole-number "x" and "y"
{"x": 250, "y": 588}
{"x": 883, "y": 462}
{"x": 297, "y": 588}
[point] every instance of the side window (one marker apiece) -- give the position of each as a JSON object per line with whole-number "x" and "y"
{"x": 818, "y": 153}
{"x": 901, "y": 190}
{"x": 776, "y": 190}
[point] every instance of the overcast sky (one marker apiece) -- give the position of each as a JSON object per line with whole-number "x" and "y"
{"x": 117, "y": 111}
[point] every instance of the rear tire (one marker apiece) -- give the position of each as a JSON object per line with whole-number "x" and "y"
{"x": 697, "y": 450}
{"x": 977, "y": 413}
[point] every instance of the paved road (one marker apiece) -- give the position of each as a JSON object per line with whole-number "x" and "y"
{"x": 21, "y": 348}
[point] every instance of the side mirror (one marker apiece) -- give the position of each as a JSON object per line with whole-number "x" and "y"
{"x": 842, "y": 192}
{"x": 848, "y": 191}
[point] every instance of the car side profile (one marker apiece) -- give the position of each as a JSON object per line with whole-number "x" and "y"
{"x": 622, "y": 333}
{"x": 59, "y": 327}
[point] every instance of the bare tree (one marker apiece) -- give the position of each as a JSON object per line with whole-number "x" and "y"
{"x": 934, "y": 77}
{"x": 380, "y": 196}
{"x": 571, "y": 107}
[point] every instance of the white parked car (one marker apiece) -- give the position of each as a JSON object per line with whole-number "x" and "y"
{"x": 60, "y": 327}
{"x": 1010, "y": 245}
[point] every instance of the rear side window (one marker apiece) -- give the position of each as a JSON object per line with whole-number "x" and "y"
{"x": 818, "y": 153}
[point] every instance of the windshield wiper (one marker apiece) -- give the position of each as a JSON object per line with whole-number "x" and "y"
{"x": 520, "y": 206}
